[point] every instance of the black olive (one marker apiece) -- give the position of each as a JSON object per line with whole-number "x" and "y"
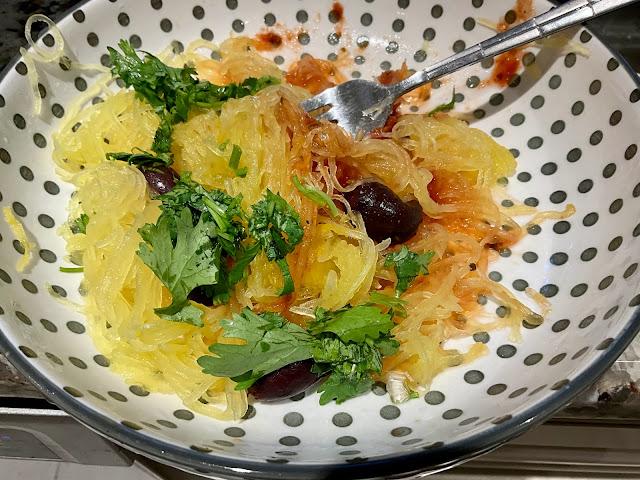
{"x": 285, "y": 382}
{"x": 202, "y": 296}
{"x": 384, "y": 213}
{"x": 159, "y": 178}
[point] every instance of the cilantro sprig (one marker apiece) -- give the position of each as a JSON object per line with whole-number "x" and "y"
{"x": 202, "y": 241}
{"x": 276, "y": 227}
{"x": 173, "y": 92}
{"x": 347, "y": 347}
{"x": 141, "y": 158}
{"x": 408, "y": 265}
{"x": 191, "y": 245}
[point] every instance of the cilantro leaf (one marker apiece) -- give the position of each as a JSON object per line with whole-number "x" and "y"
{"x": 408, "y": 265}
{"x": 162, "y": 138}
{"x": 234, "y": 162}
{"x": 79, "y": 225}
{"x": 208, "y": 95}
{"x": 216, "y": 205}
{"x": 395, "y": 305}
{"x": 182, "y": 260}
{"x": 242, "y": 261}
{"x": 316, "y": 196}
{"x": 185, "y": 312}
{"x": 445, "y": 107}
{"x": 353, "y": 324}
{"x": 387, "y": 345}
{"x": 341, "y": 386}
{"x": 348, "y": 357}
{"x": 172, "y": 91}
{"x": 271, "y": 343}
{"x": 159, "y": 84}
{"x": 275, "y": 226}
{"x": 141, "y": 159}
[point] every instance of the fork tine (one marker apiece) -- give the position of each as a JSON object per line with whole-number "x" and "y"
{"x": 314, "y": 103}
{"x": 329, "y": 115}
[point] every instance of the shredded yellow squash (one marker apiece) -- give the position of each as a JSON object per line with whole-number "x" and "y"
{"x": 442, "y": 162}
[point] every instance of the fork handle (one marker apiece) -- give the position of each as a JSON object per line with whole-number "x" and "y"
{"x": 540, "y": 26}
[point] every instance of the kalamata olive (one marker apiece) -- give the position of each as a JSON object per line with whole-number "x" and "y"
{"x": 201, "y": 296}
{"x": 160, "y": 179}
{"x": 285, "y": 382}
{"x": 385, "y": 215}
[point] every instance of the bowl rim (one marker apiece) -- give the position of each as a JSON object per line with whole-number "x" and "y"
{"x": 433, "y": 459}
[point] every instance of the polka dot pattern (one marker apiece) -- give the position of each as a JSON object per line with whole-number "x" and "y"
{"x": 564, "y": 157}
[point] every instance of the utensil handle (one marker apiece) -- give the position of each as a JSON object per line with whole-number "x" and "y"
{"x": 540, "y": 26}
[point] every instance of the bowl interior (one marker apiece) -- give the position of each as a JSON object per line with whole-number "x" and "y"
{"x": 571, "y": 118}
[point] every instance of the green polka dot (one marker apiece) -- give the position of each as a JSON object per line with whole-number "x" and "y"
{"x": 234, "y": 432}
{"x": 101, "y": 360}
{"x": 342, "y": 419}
{"x": 481, "y": 337}
{"x": 560, "y": 384}
{"x": 289, "y": 441}
{"x": 516, "y": 393}
{"x": 117, "y": 396}
{"x": 183, "y": 414}
{"x": 496, "y": 389}
{"x": 473, "y": 376}
{"x": 131, "y": 425}
{"x": 74, "y": 392}
{"x": 346, "y": 441}
{"x": 501, "y": 419}
{"x": 560, "y": 325}
{"x": 167, "y": 424}
{"x": 53, "y": 358}
{"x": 389, "y": 412}
{"x": 48, "y": 325}
{"x": 557, "y": 358}
{"x": 532, "y": 359}
{"x": 28, "y": 352}
{"x": 401, "y": 431}
{"x": 506, "y": 351}
{"x": 452, "y": 413}
{"x": 434, "y": 397}
{"x": 78, "y": 363}
{"x": 75, "y": 327}
{"x": 23, "y": 318}
{"x": 293, "y": 419}
{"x": 138, "y": 391}
{"x": 97, "y": 395}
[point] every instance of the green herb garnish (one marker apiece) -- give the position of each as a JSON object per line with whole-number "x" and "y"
{"x": 200, "y": 241}
{"x": 141, "y": 159}
{"x": 445, "y": 107}
{"x": 183, "y": 257}
{"x": 275, "y": 226}
{"x": 191, "y": 245}
{"x": 173, "y": 92}
{"x": 347, "y": 345}
{"x": 79, "y": 225}
{"x": 71, "y": 269}
{"x": 395, "y": 305}
{"x": 408, "y": 265}
{"x": 234, "y": 162}
{"x": 316, "y": 196}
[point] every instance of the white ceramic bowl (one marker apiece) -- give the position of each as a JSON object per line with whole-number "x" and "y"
{"x": 573, "y": 122}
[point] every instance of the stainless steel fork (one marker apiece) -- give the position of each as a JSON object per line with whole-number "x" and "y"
{"x": 360, "y": 106}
